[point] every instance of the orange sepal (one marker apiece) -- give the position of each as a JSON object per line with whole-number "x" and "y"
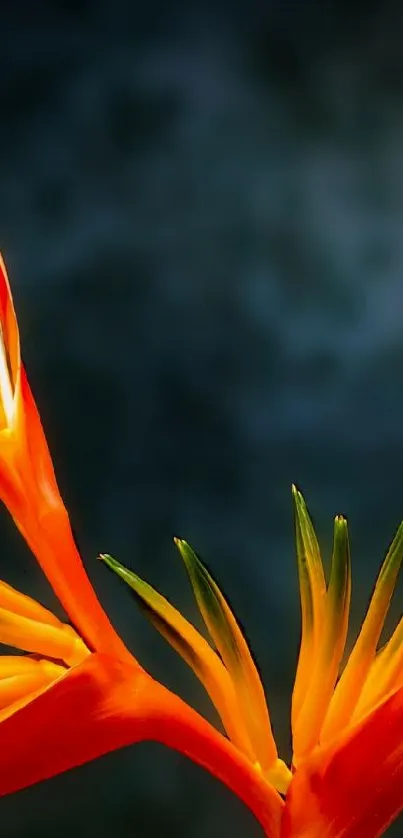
{"x": 352, "y": 787}
{"x": 29, "y": 489}
{"x": 104, "y": 704}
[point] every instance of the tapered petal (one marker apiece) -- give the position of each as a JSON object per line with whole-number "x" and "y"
{"x": 29, "y": 489}
{"x": 352, "y": 788}
{"x": 325, "y": 666}
{"x": 313, "y": 598}
{"x": 193, "y": 648}
{"x": 351, "y": 683}
{"x": 102, "y": 705}
{"x": 234, "y": 651}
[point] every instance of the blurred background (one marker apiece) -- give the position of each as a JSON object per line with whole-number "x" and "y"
{"x": 201, "y": 212}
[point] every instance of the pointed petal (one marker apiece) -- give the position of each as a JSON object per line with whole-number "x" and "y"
{"x": 235, "y": 653}
{"x": 313, "y": 596}
{"x": 29, "y": 490}
{"x": 352, "y": 788}
{"x": 193, "y": 648}
{"x": 325, "y": 666}
{"x": 103, "y": 705}
{"x": 349, "y": 688}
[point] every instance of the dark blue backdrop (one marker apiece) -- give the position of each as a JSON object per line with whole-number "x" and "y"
{"x": 201, "y": 211}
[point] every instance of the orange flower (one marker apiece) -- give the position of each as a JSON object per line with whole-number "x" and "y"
{"x": 78, "y": 693}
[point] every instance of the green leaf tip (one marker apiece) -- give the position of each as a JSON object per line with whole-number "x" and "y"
{"x": 339, "y": 589}
{"x": 192, "y": 647}
{"x": 113, "y": 564}
{"x": 234, "y": 652}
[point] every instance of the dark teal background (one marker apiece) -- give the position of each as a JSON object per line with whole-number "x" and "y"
{"x": 202, "y": 215}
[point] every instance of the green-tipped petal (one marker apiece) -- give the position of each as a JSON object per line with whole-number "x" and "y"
{"x": 326, "y": 665}
{"x": 351, "y": 683}
{"x": 192, "y": 647}
{"x": 313, "y": 595}
{"x": 235, "y": 653}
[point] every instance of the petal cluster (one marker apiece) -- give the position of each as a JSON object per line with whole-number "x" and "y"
{"x": 227, "y": 671}
{"x": 346, "y": 776}
{"x": 327, "y": 698}
{"x": 52, "y": 646}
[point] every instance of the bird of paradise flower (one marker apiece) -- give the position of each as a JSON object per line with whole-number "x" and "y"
{"x": 77, "y": 692}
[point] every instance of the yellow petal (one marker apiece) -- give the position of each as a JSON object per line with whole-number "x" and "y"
{"x": 352, "y": 681}
{"x": 41, "y": 638}
{"x": 13, "y": 600}
{"x": 313, "y": 596}
{"x": 385, "y": 674}
{"x": 21, "y": 676}
{"x": 11, "y": 665}
{"x": 325, "y": 666}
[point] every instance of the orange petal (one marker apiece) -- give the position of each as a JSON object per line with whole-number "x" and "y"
{"x": 29, "y": 490}
{"x": 103, "y": 705}
{"x": 353, "y": 788}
